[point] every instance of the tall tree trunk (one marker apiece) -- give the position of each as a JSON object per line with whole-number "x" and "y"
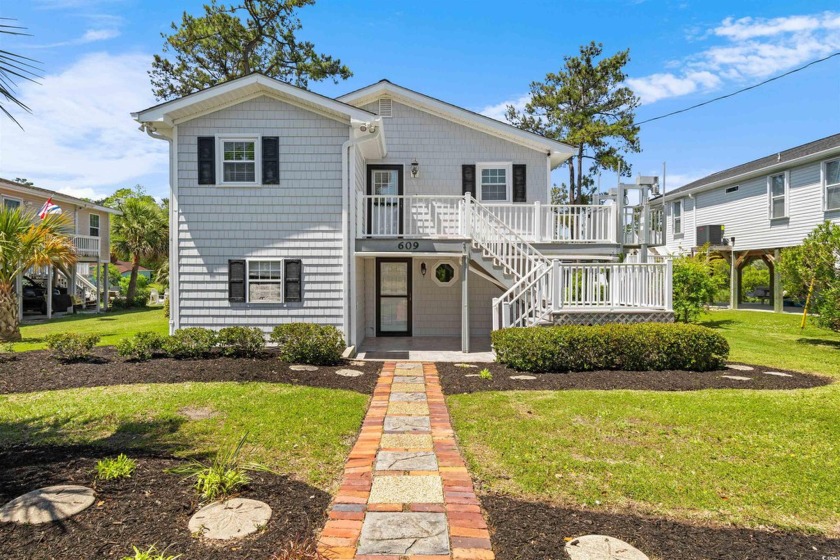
{"x": 9, "y": 320}
{"x": 579, "y": 197}
{"x": 132, "y": 283}
{"x": 571, "y": 181}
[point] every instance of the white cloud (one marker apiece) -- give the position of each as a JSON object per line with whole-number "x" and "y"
{"x": 499, "y": 110}
{"x": 90, "y": 36}
{"x": 755, "y": 48}
{"x": 81, "y": 139}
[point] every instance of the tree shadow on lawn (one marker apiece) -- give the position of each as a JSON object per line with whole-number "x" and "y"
{"x": 719, "y": 324}
{"x": 525, "y": 530}
{"x": 835, "y": 344}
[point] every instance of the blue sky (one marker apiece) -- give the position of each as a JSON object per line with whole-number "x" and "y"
{"x": 81, "y": 140}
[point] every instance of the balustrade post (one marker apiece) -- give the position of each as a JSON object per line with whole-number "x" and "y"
{"x": 669, "y": 284}
{"x": 538, "y": 230}
{"x": 506, "y": 314}
{"x": 557, "y": 285}
{"x": 466, "y": 217}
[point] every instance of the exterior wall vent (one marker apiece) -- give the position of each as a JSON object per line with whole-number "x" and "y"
{"x": 385, "y": 107}
{"x": 731, "y": 190}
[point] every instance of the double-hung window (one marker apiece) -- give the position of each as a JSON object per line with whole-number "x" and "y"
{"x": 11, "y": 203}
{"x": 238, "y": 161}
{"x": 94, "y": 225}
{"x": 265, "y": 281}
{"x": 777, "y": 189}
{"x": 494, "y": 182}
{"x": 677, "y": 208}
{"x": 831, "y": 180}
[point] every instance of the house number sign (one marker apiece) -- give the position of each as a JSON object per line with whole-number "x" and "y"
{"x": 408, "y": 245}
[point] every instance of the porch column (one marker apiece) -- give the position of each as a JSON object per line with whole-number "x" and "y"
{"x": 778, "y": 292}
{"x": 106, "y": 296}
{"x": 734, "y": 292}
{"x": 99, "y": 294}
{"x": 465, "y": 303}
{"x": 48, "y": 295}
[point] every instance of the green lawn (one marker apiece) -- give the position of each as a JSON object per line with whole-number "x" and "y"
{"x": 753, "y": 458}
{"x": 301, "y": 430}
{"x": 112, "y": 327}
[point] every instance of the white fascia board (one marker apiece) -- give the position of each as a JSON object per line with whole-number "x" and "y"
{"x": 57, "y": 196}
{"x": 557, "y": 151}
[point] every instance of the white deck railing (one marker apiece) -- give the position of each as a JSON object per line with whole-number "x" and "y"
{"x": 86, "y": 245}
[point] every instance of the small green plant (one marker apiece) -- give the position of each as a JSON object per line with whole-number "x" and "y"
{"x": 71, "y": 347}
{"x": 166, "y": 308}
{"x": 193, "y": 342}
{"x": 221, "y": 478}
{"x": 241, "y": 342}
{"x": 307, "y": 343}
{"x": 485, "y": 374}
{"x": 114, "y": 468}
{"x": 141, "y": 347}
{"x": 149, "y": 554}
{"x": 7, "y": 351}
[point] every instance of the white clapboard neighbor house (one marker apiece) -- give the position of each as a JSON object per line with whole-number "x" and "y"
{"x": 754, "y": 210}
{"x": 386, "y": 213}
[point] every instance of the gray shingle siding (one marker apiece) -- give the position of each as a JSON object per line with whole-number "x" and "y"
{"x": 299, "y": 218}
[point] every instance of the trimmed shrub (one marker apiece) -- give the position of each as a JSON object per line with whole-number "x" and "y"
{"x": 306, "y": 343}
{"x": 141, "y": 347}
{"x": 70, "y": 347}
{"x": 192, "y": 342}
{"x": 241, "y": 341}
{"x": 639, "y": 347}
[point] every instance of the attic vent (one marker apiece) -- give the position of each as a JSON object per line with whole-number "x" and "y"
{"x": 731, "y": 190}
{"x": 385, "y": 107}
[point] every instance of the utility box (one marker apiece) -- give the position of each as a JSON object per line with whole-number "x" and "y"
{"x": 713, "y": 235}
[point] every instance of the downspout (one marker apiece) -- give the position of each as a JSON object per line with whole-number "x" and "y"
{"x": 348, "y": 260}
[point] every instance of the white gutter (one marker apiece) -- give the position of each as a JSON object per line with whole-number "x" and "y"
{"x": 373, "y": 132}
{"x": 756, "y": 173}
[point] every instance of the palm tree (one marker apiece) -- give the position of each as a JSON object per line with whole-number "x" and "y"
{"x": 26, "y": 241}
{"x": 141, "y": 232}
{"x": 13, "y": 66}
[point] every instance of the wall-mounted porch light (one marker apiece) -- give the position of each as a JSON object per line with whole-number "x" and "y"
{"x": 423, "y": 269}
{"x": 415, "y": 169}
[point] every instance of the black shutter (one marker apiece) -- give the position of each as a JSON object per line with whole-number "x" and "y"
{"x": 206, "y": 160}
{"x": 468, "y": 179}
{"x": 271, "y": 160}
{"x": 292, "y": 280}
{"x": 519, "y": 183}
{"x": 236, "y": 280}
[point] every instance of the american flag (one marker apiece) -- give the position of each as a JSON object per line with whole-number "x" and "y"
{"x": 49, "y": 208}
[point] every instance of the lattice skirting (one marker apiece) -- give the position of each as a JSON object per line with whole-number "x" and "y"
{"x": 604, "y": 317}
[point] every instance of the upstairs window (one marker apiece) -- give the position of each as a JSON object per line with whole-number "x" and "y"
{"x": 11, "y": 203}
{"x": 677, "y": 207}
{"x": 94, "y": 225}
{"x": 777, "y": 188}
{"x": 239, "y": 161}
{"x": 494, "y": 182}
{"x": 831, "y": 179}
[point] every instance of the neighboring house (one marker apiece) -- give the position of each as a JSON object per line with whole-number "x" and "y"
{"x": 125, "y": 270}
{"x": 384, "y": 212}
{"x": 90, "y": 233}
{"x": 761, "y": 207}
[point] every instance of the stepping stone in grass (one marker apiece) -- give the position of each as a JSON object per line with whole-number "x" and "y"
{"x": 406, "y": 461}
{"x": 46, "y": 505}
{"x": 303, "y": 367}
{"x": 523, "y": 377}
{"x": 404, "y": 533}
{"x": 231, "y": 519}
{"x": 601, "y": 547}
{"x": 737, "y": 377}
{"x": 349, "y": 373}
{"x": 739, "y": 367}
{"x": 777, "y": 373}
{"x": 402, "y": 489}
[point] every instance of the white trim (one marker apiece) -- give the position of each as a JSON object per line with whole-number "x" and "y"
{"x": 826, "y": 186}
{"x": 785, "y": 196}
{"x": 174, "y": 237}
{"x": 220, "y": 163}
{"x": 508, "y": 167}
{"x": 455, "y": 277}
{"x": 282, "y": 280}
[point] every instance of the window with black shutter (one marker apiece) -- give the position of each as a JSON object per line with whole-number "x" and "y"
{"x": 236, "y": 280}
{"x": 292, "y": 278}
{"x": 206, "y": 160}
{"x": 519, "y": 183}
{"x": 271, "y": 160}
{"x": 468, "y": 179}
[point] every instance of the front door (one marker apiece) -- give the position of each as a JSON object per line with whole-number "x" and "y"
{"x": 385, "y": 185}
{"x": 393, "y": 297}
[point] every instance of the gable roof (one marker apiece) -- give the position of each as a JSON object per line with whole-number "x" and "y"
{"x": 7, "y": 185}
{"x": 558, "y": 151}
{"x": 164, "y": 116}
{"x": 811, "y": 151}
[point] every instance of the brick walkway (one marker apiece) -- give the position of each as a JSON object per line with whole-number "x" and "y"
{"x": 406, "y": 492}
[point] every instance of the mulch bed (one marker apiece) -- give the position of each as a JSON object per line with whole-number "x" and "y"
{"x": 152, "y": 507}
{"x": 454, "y": 380}
{"x": 38, "y": 371}
{"x": 523, "y": 530}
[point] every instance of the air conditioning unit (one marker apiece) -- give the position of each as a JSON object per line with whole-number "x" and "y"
{"x": 713, "y": 235}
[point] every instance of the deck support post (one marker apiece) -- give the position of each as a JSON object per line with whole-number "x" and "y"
{"x": 735, "y": 282}
{"x": 465, "y": 302}
{"x": 48, "y": 295}
{"x": 107, "y": 292}
{"x": 71, "y": 285}
{"x": 99, "y": 294}
{"x": 778, "y": 292}
{"x": 19, "y": 293}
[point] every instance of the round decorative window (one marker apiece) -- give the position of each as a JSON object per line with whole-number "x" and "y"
{"x": 445, "y": 274}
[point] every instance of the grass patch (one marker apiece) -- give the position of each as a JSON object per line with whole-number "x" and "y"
{"x": 293, "y": 429}
{"x": 752, "y": 458}
{"x": 115, "y": 468}
{"x": 111, "y": 327}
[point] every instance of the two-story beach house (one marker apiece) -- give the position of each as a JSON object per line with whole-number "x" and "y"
{"x": 91, "y": 238}
{"x": 756, "y": 209}
{"x": 384, "y": 212}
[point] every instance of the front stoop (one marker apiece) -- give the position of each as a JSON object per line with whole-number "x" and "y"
{"x": 406, "y": 492}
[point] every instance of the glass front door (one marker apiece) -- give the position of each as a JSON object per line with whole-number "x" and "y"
{"x": 385, "y": 186}
{"x": 393, "y": 297}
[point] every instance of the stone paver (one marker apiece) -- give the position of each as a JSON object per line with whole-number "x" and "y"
{"x": 349, "y": 373}
{"x": 737, "y": 377}
{"x": 46, "y": 505}
{"x": 739, "y": 367}
{"x": 231, "y": 519}
{"x": 303, "y": 367}
{"x": 602, "y": 547}
{"x": 523, "y": 377}
{"x": 777, "y": 373}
{"x": 406, "y": 492}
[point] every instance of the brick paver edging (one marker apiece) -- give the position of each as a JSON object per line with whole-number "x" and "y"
{"x": 377, "y": 517}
